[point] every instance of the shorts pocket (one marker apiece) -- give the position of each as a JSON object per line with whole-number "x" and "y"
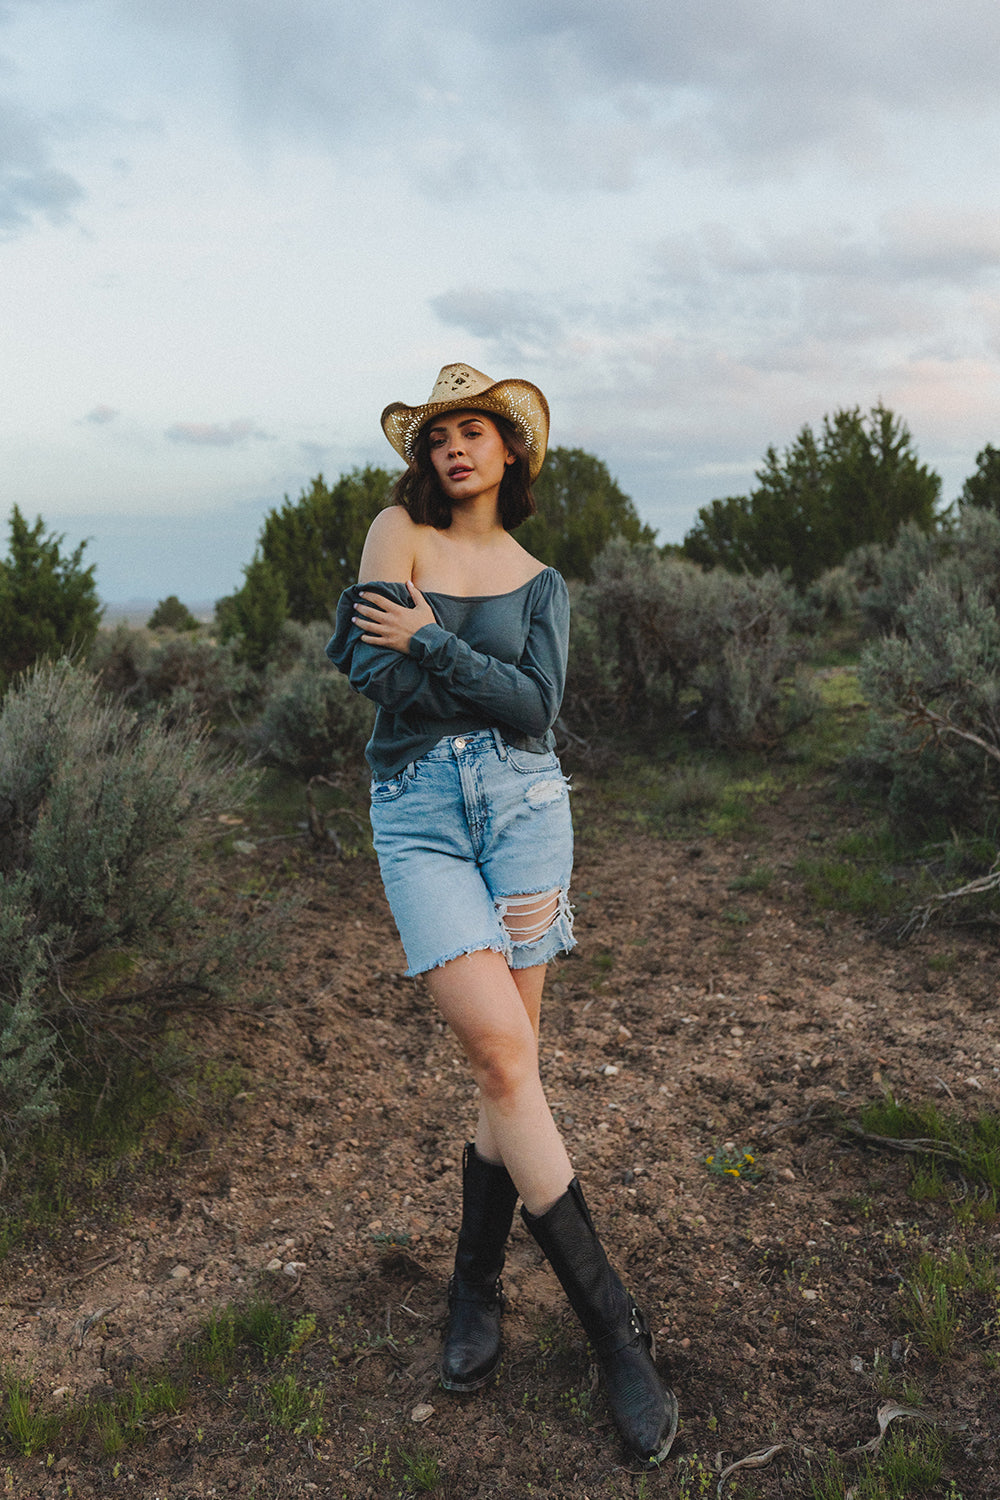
{"x": 529, "y": 762}
{"x": 388, "y": 791}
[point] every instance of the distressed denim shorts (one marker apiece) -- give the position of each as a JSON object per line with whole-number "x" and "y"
{"x": 463, "y": 835}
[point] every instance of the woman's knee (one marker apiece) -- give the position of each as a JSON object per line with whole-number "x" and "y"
{"x": 502, "y": 1063}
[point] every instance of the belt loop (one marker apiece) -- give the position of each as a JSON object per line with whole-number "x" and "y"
{"x": 498, "y": 740}
{"x": 411, "y": 769}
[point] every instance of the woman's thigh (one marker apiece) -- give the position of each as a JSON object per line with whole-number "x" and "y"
{"x": 441, "y": 904}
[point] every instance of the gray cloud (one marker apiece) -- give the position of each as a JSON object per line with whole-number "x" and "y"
{"x": 29, "y": 184}
{"x": 584, "y": 91}
{"x": 101, "y": 415}
{"x": 216, "y": 434}
{"x": 518, "y": 325}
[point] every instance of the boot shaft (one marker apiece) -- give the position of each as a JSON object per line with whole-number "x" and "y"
{"x": 566, "y": 1235}
{"x": 488, "y": 1200}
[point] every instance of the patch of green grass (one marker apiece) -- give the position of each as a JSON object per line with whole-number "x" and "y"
{"x": 760, "y": 878}
{"x": 843, "y": 886}
{"x": 228, "y": 1343}
{"x": 695, "y": 1479}
{"x": 104, "y": 1133}
{"x": 280, "y": 806}
{"x": 970, "y": 1148}
{"x": 840, "y": 720}
{"x": 669, "y": 798}
{"x": 947, "y": 1293}
{"x": 873, "y": 872}
{"x": 229, "y": 1334}
{"x": 294, "y": 1406}
{"x": 115, "y": 1121}
{"x": 118, "y": 1421}
{"x": 909, "y": 1465}
{"x": 420, "y": 1470}
{"x": 736, "y": 810}
{"x": 26, "y": 1429}
{"x": 933, "y": 1313}
{"x": 688, "y": 793}
{"x": 122, "y": 1420}
{"x": 928, "y": 1183}
{"x": 944, "y": 963}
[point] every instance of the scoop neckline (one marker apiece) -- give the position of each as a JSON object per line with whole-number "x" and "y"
{"x": 480, "y": 598}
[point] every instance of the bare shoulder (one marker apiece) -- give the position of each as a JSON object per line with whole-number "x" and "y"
{"x": 390, "y": 547}
{"x": 530, "y": 565}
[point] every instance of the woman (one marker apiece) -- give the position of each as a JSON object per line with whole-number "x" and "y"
{"x": 460, "y": 637}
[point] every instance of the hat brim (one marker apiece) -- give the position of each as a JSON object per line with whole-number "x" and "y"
{"x": 518, "y": 400}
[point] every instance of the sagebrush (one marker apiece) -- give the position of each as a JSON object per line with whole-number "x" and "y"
{"x": 107, "y": 921}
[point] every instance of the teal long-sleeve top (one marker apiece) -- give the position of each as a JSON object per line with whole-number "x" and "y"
{"x": 494, "y": 661}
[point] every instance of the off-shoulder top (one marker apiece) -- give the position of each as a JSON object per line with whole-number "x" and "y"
{"x": 494, "y": 661}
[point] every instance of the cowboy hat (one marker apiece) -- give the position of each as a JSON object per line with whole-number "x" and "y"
{"x": 461, "y": 388}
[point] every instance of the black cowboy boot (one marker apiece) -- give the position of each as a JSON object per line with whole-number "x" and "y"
{"x": 644, "y": 1409}
{"x": 471, "y": 1350}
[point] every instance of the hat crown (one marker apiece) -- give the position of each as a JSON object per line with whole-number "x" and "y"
{"x": 460, "y": 387}
{"x": 458, "y": 380}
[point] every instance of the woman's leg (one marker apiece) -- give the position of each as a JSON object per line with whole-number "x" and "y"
{"x": 530, "y": 984}
{"x": 497, "y": 1024}
{"x": 495, "y": 1021}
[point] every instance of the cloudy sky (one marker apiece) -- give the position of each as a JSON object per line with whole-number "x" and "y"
{"x": 231, "y": 231}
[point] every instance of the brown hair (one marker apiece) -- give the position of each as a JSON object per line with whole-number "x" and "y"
{"x": 418, "y": 490}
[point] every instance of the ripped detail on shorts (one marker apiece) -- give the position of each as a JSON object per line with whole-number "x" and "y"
{"x": 528, "y": 918}
{"x": 541, "y": 793}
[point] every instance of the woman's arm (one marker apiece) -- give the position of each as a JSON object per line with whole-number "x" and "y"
{"x": 525, "y": 695}
{"x": 389, "y": 677}
{"x": 442, "y": 676}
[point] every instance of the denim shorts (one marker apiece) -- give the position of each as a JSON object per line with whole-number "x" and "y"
{"x": 461, "y": 835}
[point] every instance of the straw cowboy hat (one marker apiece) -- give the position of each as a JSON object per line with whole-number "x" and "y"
{"x": 461, "y": 388}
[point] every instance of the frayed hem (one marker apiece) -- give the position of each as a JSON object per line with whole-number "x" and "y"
{"x": 557, "y": 938}
{"x": 439, "y": 963}
{"x": 524, "y": 958}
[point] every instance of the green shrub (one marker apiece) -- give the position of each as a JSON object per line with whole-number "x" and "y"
{"x": 311, "y": 722}
{"x": 48, "y": 600}
{"x": 102, "y": 818}
{"x": 886, "y": 576}
{"x": 666, "y": 645}
{"x": 188, "y": 674}
{"x": 171, "y": 614}
{"x": 29, "y": 1066}
{"x": 251, "y": 619}
{"x": 963, "y": 555}
{"x": 936, "y": 690}
{"x": 834, "y": 595}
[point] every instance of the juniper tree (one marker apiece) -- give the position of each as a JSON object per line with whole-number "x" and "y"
{"x": 859, "y": 481}
{"x": 48, "y": 600}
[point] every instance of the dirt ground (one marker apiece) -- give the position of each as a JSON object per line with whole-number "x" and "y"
{"x": 693, "y": 1017}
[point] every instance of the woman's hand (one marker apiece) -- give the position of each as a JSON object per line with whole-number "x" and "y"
{"x": 386, "y": 623}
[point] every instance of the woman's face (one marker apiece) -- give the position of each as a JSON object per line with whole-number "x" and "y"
{"x": 468, "y": 454}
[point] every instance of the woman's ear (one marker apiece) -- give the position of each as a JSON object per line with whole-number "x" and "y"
{"x": 511, "y": 458}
